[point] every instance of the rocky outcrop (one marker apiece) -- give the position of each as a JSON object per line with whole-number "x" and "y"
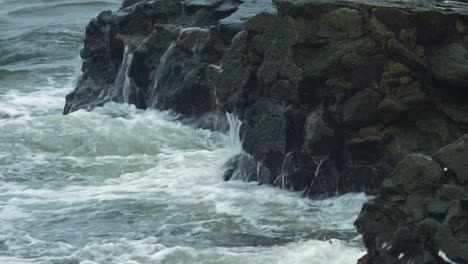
{"x": 332, "y": 95}
{"x": 421, "y": 214}
{"x": 155, "y": 53}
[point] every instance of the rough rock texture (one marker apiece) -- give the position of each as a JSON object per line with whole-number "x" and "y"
{"x": 332, "y": 95}
{"x": 171, "y": 43}
{"x": 421, "y": 214}
{"x": 345, "y": 90}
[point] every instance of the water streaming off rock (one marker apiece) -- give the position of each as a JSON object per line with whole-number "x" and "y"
{"x": 162, "y": 70}
{"x": 123, "y": 81}
{"x": 121, "y": 185}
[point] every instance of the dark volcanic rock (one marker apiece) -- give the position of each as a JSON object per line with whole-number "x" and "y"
{"x": 332, "y": 95}
{"x": 450, "y": 65}
{"x": 454, "y": 156}
{"x": 244, "y": 167}
{"x": 361, "y": 109}
{"x": 318, "y": 137}
{"x": 339, "y": 73}
{"x": 422, "y": 212}
{"x": 170, "y": 43}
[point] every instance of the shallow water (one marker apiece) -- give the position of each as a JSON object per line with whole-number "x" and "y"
{"x": 121, "y": 185}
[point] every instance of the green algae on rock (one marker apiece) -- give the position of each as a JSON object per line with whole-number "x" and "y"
{"x": 426, "y": 197}
{"x": 385, "y": 67}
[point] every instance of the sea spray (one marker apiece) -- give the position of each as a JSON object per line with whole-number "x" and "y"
{"x": 242, "y": 166}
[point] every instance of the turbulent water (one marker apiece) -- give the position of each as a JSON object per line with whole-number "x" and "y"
{"x": 121, "y": 185}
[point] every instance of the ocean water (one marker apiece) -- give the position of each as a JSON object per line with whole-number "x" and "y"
{"x": 121, "y": 185}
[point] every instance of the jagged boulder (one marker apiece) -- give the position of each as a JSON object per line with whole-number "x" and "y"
{"x": 361, "y": 109}
{"x": 318, "y": 137}
{"x": 357, "y": 71}
{"x": 421, "y": 214}
{"x": 455, "y": 157}
{"x": 170, "y": 42}
{"x": 450, "y": 65}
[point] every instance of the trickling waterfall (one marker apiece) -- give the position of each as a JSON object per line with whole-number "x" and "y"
{"x": 318, "y": 160}
{"x": 234, "y": 141}
{"x": 286, "y": 167}
{"x": 182, "y": 5}
{"x": 163, "y": 69}
{"x": 241, "y": 165}
{"x": 216, "y": 100}
{"x": 122, "y": 81}
{"x": 242, "y": 161}
{"x": 319, "y": 163}
{"x": 164, "y": 66}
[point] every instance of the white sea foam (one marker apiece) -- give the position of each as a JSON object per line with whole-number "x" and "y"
{"x": 122, "y": 185}
{"x": 93, "y": 181}
{"x": 16, "y": 103}
{"x": 149, "y": 251}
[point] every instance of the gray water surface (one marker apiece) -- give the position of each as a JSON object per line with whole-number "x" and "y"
{"x": 121, "y": 185}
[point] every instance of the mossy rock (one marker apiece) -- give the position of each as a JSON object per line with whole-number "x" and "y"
{"x": 305, "y": 28}
{"x": 457, "y": 112}
{"x": 353, "y": 60}
{"x": 393, "y": 18}
{"x": 400, "y": 52}
{"x": 445, "y": 240}
{"x": 418, "y": 173}
{"x": 402, "y": 99}
{"x": 450, "y": 65}
{"x": 379, "y": 30}
{"x": 361, "y": 108}
{"x": 337, "y": 85}
{"x": 461, "y": 26}
{"x": 332, "y": 54}
{"x": 395, "y": 69}
{"x": 344, "y": 20}
{"x": 455, "y": 157}
{"x": 434, "y": 26}
{"x": 409, "y": 37}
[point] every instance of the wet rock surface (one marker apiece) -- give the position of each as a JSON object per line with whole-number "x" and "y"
{"x": 331, "y": 94}
{"x": 421, "y": 214}
{"x": 346, "y": 91}
{"x": 171, "y": 43}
